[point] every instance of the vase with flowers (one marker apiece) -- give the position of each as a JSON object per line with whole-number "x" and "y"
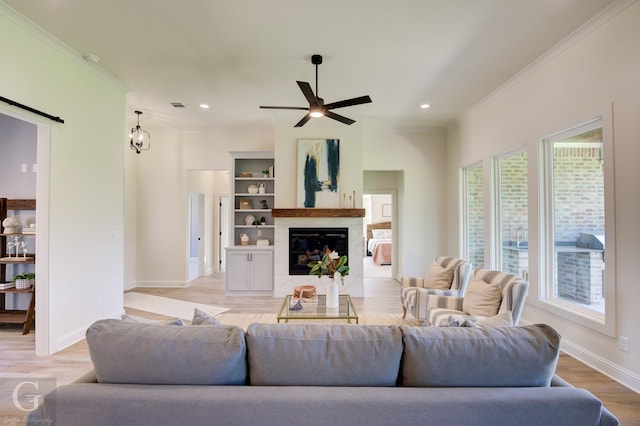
{"x": 335, "y": 266}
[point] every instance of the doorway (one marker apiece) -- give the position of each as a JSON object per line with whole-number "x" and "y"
{"x": 27, "y": 142}
{"x": 207, "y": 191}
{"x": 378, "y": 232}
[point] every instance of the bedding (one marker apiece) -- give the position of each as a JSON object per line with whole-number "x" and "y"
{"x": 382, "y": 253}
{"x": 379, "y": 242}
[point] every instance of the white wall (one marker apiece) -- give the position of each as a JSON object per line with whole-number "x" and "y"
{"x": 421, "y": 220}
{"x": 377, "y": 203}
{"x": 600, "y": 68}
{"x": 80, "y": 202}
{"x": 162, "y": 193}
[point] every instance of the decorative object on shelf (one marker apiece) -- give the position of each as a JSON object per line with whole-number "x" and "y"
{"x": 22, "y": 281}
{"x": 318, "y": 171}
{"x": 252, "y": 189}
{"x": 245, "y": 204}
{"x": 244, "y": 240}
{"x": 264, "y": 204}
{"x": 263, "y": 221}
{"x": 265, "y": 173}
{"x": 249, "y": 219}
{"x": 261, "y": 188}
{"x": 262, "y": 242}
{"x": 246, "y": 174}
{"x": 10, "y": 225}
{"x": 140, "y": 138}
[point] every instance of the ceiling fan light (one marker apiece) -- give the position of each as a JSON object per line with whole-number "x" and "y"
{"x": 316, "y": 112}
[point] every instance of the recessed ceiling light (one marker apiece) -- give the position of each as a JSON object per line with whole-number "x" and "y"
{"x": 425, "y": 106}
{"x": 204, "y": 106}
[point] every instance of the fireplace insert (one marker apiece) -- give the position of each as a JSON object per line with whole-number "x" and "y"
{"x": 309, "y": 244}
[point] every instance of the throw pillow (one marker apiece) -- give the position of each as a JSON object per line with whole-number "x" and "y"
{"x": 438, "y": 277}
{"x": 387, "y": 234}
{"x": 482, "y": 299}
{"x": 378, "y": 234}
{"x": 133, "y": 318}
{"x": 505, "y": 319}
{"x": 200, "y": 317}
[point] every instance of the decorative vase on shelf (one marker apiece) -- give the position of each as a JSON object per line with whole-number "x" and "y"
{"x": 333, "y": 291}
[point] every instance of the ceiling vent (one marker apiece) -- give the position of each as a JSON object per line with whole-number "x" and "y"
{"x": 177, "y": 104}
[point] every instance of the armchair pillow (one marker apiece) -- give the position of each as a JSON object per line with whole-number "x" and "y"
{"x": 438, "y": 277}
{"x": 482, "y": 299}
{"x": 504, "y": 319}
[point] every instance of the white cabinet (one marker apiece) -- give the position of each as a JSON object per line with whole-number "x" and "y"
{"x": 249, "y": 270}
{"x": 252, "y": 181}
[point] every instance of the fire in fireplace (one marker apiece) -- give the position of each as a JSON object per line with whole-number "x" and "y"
{"x": 309, "y": 244}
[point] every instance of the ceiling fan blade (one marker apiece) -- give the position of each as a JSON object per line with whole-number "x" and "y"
{"x": 340, "y": 118}
{"x": 283, "y": 107}
{"x": 308, "y": 92}
{"x": 348, "y": 102}
{"x": 303, "y": 121}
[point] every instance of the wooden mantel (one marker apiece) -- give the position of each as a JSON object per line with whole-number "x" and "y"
{"x": 315, "y": 212}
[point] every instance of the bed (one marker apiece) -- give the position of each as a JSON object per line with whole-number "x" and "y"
{"x": 379, "y": 242}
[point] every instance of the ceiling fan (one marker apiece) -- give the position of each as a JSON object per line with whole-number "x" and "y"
{"x": 317, "y": 107}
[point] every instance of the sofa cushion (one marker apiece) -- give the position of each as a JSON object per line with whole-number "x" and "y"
{"x": 482, "y": 299}
{"x": 323, "y": 354}
{"x": 438, "y": 277}
{"x": 479, "y": 356}
{"x": 130, "y": 352}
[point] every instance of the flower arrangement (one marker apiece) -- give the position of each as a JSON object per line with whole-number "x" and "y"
{"x": 330, "y": 263}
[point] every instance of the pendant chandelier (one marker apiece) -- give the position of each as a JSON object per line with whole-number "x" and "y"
{"x": 140, "y": 138}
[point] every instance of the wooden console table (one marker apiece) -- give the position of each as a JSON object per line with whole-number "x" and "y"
{"x": 15, "y": 316}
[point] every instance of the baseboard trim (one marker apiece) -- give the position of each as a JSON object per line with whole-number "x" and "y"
{"x": 77, "y": 334}
{"x": 621, "y": 375}
{"x": 168, "y": 284}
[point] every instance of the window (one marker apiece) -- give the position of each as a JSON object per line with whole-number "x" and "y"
{"x": 512, "y": 213}
{"x": 473, "y": 215}
{"x": 578, "y": 204}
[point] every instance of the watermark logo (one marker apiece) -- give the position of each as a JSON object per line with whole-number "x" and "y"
{"x": 27, "y": 392}
{"x": 19, "y": 398}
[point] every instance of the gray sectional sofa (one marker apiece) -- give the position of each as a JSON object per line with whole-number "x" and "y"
{"x": 319, "y": 374}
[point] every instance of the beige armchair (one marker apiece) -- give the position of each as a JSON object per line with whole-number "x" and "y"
{"x": 493, "y": 298}
{"x": 447, "y": 276}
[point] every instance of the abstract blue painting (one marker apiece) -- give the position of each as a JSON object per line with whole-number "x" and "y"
{"x": 318, "y": 173}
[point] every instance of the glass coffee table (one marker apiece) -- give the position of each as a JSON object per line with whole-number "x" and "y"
{"x": 318, "y": 310}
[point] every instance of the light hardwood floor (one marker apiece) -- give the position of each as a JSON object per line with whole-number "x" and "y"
{"x": 19, "y": 362}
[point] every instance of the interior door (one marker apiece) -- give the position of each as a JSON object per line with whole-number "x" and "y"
{"x": 196, "y": 242}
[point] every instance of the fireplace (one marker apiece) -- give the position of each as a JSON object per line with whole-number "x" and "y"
{"x": 310, "y": 244}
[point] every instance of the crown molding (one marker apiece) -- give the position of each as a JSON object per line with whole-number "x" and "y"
{"x": 32, "y": 28}
{"x": 587, "y": 28}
